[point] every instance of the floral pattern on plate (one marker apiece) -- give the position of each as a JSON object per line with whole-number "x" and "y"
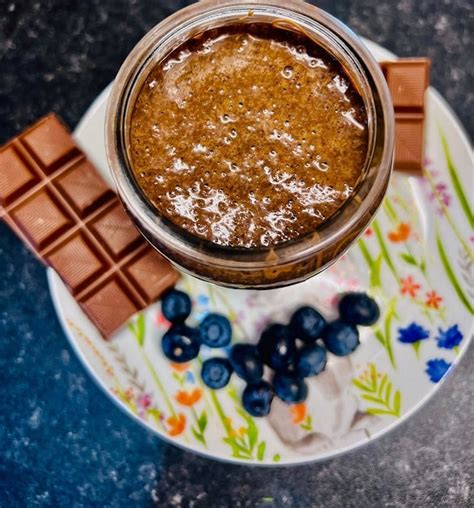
{"x": 416, "y": 259}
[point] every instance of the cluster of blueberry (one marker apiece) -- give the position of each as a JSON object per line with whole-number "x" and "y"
{"x": 278, "y": 348}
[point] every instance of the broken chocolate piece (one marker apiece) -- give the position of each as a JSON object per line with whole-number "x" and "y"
{"x": 407, "y": 80}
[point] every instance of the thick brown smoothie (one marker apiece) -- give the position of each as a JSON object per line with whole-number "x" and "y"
{"x": 248, "y": 136}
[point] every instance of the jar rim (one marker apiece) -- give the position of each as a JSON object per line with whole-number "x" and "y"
{"x": 130, "y": 79}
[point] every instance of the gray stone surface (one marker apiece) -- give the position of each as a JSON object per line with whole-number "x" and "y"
{"x": 62, "y": 442}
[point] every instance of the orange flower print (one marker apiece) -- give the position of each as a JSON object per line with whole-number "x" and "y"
{"x": 180, "y": 367}
{"x": 401, "y": 233}
{"x": 177, "y": 424}
{"x": 433, "y": 300}
{"x": 409, "y": 287}
{"x": 368, "y": 232}
{"x": 237, "y": 432}
{"x": 188, "y": 398}
{"x": 233, "y": 432}
{"x": 299, "y": 412}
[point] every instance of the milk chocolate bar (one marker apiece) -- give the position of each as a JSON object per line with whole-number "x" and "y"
{"x": 56, "y": 202}
{"x": 407, "y": 80}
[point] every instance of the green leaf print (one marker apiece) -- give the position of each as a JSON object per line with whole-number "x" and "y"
{"x": 199, "y": 437}
{"x": 423, "y": 267}
{"x": 451, "y": 276}
{"x": 180, "y": 378}
{"x": 233, "y": 394}
{"x": 252, "y": 434}
{"x": 365, "y": 252}
{"x": 202, "y": 421}
{"x": 243, "y": 440}
{"x": 308, "y": 424}
{"x": 375, "y": 280}
{"x": 416, "y": 346}
{"x": 261, "y": 451}
{"x": 201, "y": 424}
{"x": 137, "y": 327}
{"x": 361, "y": 386}
{"x": 408, "y": 258}
{"x": 457, "y": 185}
{"x": 238, "y": 451}
{"x": 378, "y": 390}
{"x": 384, "y": 336}
{"x": 397, "y": 401}
{"x": 390, "y": 210}
{"x": 384, "y": 249}
{"x": 389, "y": 315}
{"x": 155, "y": 414}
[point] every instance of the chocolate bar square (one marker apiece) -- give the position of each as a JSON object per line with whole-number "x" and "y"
{"x": 78, "y": 262}
{"x": 150, "y": 274}
{"x": 41, "y": 218}
{"x": 409, "y": 141}
{"x": 83, "y": 188}
{"x": 16, "y": 177}
{"x": 115, "y": 231}
{"x": 49, "y": 143}
{"x": 109, "y": 306}
{"x": 407, "y": 81}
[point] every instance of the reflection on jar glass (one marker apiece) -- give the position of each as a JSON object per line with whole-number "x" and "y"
{"x": 251, "y": 143}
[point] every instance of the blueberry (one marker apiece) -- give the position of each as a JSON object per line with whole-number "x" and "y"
{"x": 358, "y": 309}
{"x": 307, "y": 324}
{"x": 290, "y": 388}
{"x": 216, "y": 372}
{"x": 341, "y": 338}
{"x": 247, "y": 363}
{"x": 176, "y": 306}
{"x": 310, "y": 360}
{"x": 181, "y": 343}
{"x": 277, "y": 347}
{"x": 257, "y": 398}
{"x": 216, "y": 330}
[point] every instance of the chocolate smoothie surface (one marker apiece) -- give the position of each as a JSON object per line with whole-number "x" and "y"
{"x": 248, "y": 136}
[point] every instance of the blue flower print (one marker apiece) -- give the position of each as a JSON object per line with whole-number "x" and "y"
{"x": 190, "y": 377}
{"x": 202, "y": 310}
{"x": 202, "y": 300}
{"x": 436, "y": 369}
{"x": 450, "y": 338}
{"x": 412, "y": 333}
{"x": 199, "y": 316}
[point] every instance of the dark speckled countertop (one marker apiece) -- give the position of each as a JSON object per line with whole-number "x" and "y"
{"x": 62, "y": 442}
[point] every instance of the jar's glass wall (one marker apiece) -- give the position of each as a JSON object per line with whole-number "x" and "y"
{"x": 286, "y": 263}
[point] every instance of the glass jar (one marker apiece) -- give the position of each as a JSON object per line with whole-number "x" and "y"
{"x": 289, "y": 262}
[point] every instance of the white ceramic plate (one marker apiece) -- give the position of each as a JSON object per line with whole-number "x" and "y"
{"x": 416, "y": 259}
